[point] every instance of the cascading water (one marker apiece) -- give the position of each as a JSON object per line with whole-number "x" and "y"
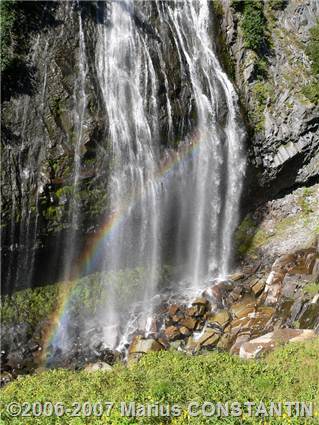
{"x": 202, "y": 192}
{"x": 80, "y": 102}
{"x": 170, "y": 146}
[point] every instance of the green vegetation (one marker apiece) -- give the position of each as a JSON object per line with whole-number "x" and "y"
{"x": 289, "y": 373}
{"x": 253, "y": 23}
{"x": 313, "y": 49}
{"x": 305, "y": 202}
{"x": 251, "y": 235}
{"x": 312, "y": 288}
{"x": 29, "y": 305}
{"x": 261, "y": 92}
{"x": 277, "y": 4}
{"x": 244, "y": 235}
{"x": 7, "y": 18}
{"x": 311, "y": 90}
{"x": 87, "y": 294}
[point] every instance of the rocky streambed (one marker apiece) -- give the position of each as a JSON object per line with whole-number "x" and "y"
{"x": 230, "y": 314}
{"x": 248, "y": 313}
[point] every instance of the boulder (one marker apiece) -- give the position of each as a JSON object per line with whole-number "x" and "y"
{"x": 188, "y": 322}
{"x": 244, "y": 307}
{"x": 235, "y": 295}
{"x": 257, "y": 286}
{"x": 152, "y": 326}
{"x": 225, "y": 341}
{"x": 221, "y": 318}
{"x": 309, "y": 317}
{"x": 218, "y": 293}
{"x": 176, "y": 345}
{"x": 173, "y": 309}
{"x": 196, "y": 310}
{"x": 172, "y": 333}
{"x": 241, "y": 338}
{"x": 315, "y": 270}
{"x": 211, "y": 341}
{"x": 266, "y": 343}
{"x": 201, "y": 301}
{"x": 177, "y": 318}
{"x": 273, "y": 287}
{"x": 98, "y": 367}
{"x": 236, "y": 276}
{"x": 239, "y": 325}
{"x": 208, "y": 338}
{"x": 185, "y": 331}
{"x": 5, "y": 378}
{"x": 191, "y": 311}
{"x": 144, "y": 345}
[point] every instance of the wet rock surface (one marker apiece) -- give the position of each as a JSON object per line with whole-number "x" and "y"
{"x": 49, "y": 142}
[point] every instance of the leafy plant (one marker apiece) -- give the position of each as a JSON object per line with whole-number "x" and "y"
{"x": 262, "y": 93}
{"x": 312, "y": 288}
{"x": 311, "y": 90}
{"x": 7, "y": 19}
{"x": 312, "y": 49}
{"x": 277, "y": 4}
{"x": 253, "y": 24}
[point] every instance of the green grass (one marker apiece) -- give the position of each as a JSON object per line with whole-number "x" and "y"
{"x": 289, "y": 373}
{"x": 312, "y": 288}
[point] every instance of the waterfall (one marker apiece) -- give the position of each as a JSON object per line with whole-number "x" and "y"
{"x": 152, "y": 109}
{"x": 202, "y": 192}
{"x": 78, "y": 118}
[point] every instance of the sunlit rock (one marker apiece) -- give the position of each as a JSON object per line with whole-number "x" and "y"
{"x": 144, "y": 345}
{"x": 268, "y": 342}
{"x": 98, "y": 367}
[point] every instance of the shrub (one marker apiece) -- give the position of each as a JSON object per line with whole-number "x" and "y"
{"x": 277, "y": 4}
{"x": 312, "y": 49}
{"x": 311, "y": 90}
{"x": 253, "y": 25}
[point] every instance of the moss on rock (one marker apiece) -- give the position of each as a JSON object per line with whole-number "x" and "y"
{"x": 281, "y": 223}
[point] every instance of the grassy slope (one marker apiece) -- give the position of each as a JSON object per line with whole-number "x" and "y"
{"x": 290, "y": 373}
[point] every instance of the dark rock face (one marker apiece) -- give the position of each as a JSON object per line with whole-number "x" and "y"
{"x": 284, "y": 141}
{"x": 42, "y": 119}
{"x": 40, "y": 128}
{"x": 55, "y": 131}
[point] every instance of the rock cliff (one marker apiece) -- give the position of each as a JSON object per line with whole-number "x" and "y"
{"x": 41, "y": 116}
{"x": 55, "y": 130}
{"x": 272, "y": 75}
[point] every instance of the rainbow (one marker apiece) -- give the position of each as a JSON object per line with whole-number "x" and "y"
{"x": 94, "y": 249}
